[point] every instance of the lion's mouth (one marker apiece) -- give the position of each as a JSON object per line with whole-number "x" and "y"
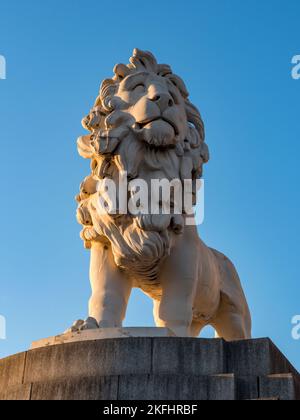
{"x": 141, "y": 125}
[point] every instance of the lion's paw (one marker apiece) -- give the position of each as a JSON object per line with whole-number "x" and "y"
{"x": 81, "y": 325}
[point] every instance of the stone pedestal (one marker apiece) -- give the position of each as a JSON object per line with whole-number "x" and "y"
{"x": 150, "y": 368}
{"x": 102, "y": 333}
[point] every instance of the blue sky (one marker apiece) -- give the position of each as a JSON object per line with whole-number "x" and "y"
{"x": 236, "y": 60}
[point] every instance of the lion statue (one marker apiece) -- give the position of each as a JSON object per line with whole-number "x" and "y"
{"x": 144, "y": 126}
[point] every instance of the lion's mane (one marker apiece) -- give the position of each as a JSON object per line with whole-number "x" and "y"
{"x": 139, "y": 243}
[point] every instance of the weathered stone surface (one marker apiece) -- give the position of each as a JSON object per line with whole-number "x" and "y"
{"x": 247, "y": 387}
{"x": 91, "y": 358}
{"x": 277, "y": 386}
{"x": 102, "y": 333}
{"x": 11, "y": 371}
{"x": 85, "y": 388}
{"x": 129, "y": 387}
{"x": 17, "y": 393}
{"x": 189, "y": 356}
{"x": 176, "y": 387}
{"x": 162, "y": 387}
{"x": 222, "y": 387}
{"x": 297, "y": 385}
{"x": 151, "y": 368}
{"x": 260, "y": 356}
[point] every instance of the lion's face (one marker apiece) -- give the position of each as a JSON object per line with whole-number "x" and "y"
{"x": 157, "y": 108}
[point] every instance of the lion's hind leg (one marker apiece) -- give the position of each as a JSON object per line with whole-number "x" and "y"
{"x": 231, "y": 325}
{"x": 196, "y": 328}
{"x": 232, "y": 320}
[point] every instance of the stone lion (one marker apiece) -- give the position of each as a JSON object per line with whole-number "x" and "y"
{"x": 143, "y": 125}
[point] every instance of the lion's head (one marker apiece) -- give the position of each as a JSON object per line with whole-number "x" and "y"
{"x": 142, "y": 123}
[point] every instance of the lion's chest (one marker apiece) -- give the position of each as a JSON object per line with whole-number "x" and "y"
{"x": 145, "y": 277}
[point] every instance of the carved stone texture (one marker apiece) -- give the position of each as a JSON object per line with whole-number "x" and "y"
{"x": 158, "y": 368}
{"x": 143, "y": 125}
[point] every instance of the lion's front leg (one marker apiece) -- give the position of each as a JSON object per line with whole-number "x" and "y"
{"x": 110, "y": 288}
{"x": 179, "y": 282}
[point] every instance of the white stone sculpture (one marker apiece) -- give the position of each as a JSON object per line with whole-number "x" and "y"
{"x": 143, "y": 125}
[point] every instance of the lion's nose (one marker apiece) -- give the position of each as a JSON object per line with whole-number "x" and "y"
{"x": 163, "y": 101}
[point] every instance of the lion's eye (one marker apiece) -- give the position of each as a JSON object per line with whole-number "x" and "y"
{"x": 139, "y": 87}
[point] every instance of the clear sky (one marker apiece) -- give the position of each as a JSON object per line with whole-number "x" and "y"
{"x": 235, "y": 57}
